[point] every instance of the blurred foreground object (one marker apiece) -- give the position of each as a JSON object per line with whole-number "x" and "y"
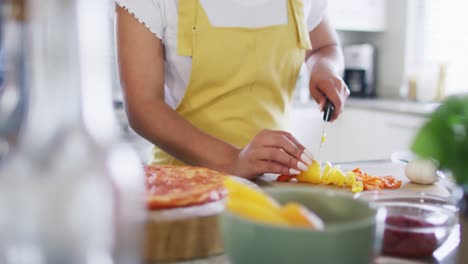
{"x": 445, "y": 137}
{"x": 70, "y": 192}
{"x": 13, "y": 92}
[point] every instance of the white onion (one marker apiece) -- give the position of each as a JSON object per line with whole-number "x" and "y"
{"x": 421, "y": 171}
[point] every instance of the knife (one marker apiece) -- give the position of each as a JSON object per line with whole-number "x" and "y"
{"x": 327, "y": 115}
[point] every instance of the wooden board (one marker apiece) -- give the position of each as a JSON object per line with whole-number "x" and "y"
{"x": 184, "y": 233}
{"x": 182, "y": 238}
{"x": 381, "y": 168}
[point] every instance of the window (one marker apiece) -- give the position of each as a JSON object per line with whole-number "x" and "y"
{"x": 438, "y": 35}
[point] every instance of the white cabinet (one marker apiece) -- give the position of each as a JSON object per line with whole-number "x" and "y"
{"x": 359, "y": 134}
{"x": 358, "y": 15}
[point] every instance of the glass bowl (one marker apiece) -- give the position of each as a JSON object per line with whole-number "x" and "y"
{"x": 416, "y": 224}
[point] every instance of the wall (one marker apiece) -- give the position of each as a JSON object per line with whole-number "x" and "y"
{"x": 391, "y": 48}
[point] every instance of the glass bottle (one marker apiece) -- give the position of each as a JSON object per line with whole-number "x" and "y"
{"x": 71, "y": 193}
{"x": 13, "y": 94}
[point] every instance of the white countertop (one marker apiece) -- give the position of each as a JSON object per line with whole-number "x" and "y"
{"x": 392, "y": 105}
{"x": 445, "y": 254}
{"x": 385, "y": 105}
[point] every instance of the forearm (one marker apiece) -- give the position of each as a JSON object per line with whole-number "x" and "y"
{"x": 164, "y": 127}
{"x": 329, "y": 57}
{"x": 326, "y": 63}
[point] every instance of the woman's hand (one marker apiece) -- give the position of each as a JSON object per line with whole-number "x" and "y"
{"x": 325, "y": 62}
{"x": 325, "y": 84}
{"x": 272, "y": 152}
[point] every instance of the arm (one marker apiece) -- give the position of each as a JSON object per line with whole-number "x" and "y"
{"x": 325, "y": 62}
{"x": 153, "y": 119}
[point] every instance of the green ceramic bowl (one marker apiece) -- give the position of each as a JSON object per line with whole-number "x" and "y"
{"x": 349, "y": 235}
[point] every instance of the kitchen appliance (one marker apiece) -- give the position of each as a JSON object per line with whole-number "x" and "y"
{"x": 360, "y": 70}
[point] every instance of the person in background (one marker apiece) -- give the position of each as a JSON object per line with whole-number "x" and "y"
{"x": 208, "y": 82}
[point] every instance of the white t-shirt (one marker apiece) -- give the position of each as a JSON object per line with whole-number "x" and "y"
{"x": 160, "y": 17}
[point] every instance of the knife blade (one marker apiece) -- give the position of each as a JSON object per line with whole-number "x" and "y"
{"x": 327, "y": 115}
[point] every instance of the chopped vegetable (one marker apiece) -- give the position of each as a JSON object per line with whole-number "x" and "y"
{"x": 357, "y": 187}
{"x": 350, "y": 178}
{"x": 324, "y": 137}
{"x": 326, "y": 171}
{"x": 238, "y": 190}
{"x": 312, "y": 175}
{"x": 285, "y": 178}
{"x": 376, "y": 182}
{"x": 421, "y": 171}
{"x": 253, "y": 204}
{"x": 356, "y": 179}
{"x": 298, "y": 215}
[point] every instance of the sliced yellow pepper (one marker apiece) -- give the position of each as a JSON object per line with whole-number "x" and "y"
{"x": 254, "y": 211}
{"x": 312, "y": 175}
{"x": 324, "y": 137}
{"x": 238, "y": 190}
{"x": 326, "y": 172}
{"x": 350, "y": 178}
{"x": 336, "y": 176}
{"x": 342, "y": 178}
{"x": 357, "y": 186}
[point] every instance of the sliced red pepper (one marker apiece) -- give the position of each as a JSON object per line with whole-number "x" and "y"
{"x": 389, "y": 178}
{"x": 284, "y": 178}
{"x": 371, "y": 187}
{"x": 392, "y": 185}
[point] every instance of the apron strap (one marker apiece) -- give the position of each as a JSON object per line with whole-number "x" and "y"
{"x": 302, "y": 32}
{"x": 186, "y": 24}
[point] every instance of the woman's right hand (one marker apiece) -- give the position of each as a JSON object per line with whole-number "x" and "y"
{"x": 272, "y": 152}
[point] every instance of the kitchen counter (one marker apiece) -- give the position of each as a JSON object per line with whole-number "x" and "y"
{"x": 445, "y": 254}
{"x": 384, "y": 105}
{"x": 391, "y": 105}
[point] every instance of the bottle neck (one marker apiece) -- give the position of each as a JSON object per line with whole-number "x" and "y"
{"x": 96, "y": 53}
{"x": 67, "y": 63}
{"x": 54, "y": 70}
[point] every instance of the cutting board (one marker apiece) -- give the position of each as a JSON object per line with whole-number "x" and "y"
{"x": 378, "y": 168}
{"x": 184, "y": 233}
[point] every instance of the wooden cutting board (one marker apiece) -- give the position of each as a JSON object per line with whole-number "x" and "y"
{"x": 380, "y": 168}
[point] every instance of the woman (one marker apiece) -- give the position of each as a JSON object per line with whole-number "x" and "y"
{"x": 208, "y": 81}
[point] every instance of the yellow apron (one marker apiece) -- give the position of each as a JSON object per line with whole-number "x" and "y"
{"x": 242, "y": 79}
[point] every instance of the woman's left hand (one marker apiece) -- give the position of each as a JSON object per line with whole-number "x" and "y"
{"x": 326, "y": 84}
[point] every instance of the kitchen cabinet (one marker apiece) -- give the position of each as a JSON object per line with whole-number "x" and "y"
{"x": 358, "y": 15}
{"x": 359, "y": 134}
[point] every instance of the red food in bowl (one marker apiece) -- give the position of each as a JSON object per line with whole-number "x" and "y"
{"x": 399, "y": 240}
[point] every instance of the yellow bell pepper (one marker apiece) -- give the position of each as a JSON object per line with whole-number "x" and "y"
{"x": 336, "y": 176}
{"x": 342, "y": 178}
{"x": 312, "y": 175}
{"x": 323, "y": 138}
{"x": 357, "y": 186}
{"x": 350, "y": 178}
{"x": 326, "y": 172}
{"x": 237, "y": 190}
{"x": 254, "y": 211}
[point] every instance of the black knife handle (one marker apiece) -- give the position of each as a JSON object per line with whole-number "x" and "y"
{"x": 328, "y": 111}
